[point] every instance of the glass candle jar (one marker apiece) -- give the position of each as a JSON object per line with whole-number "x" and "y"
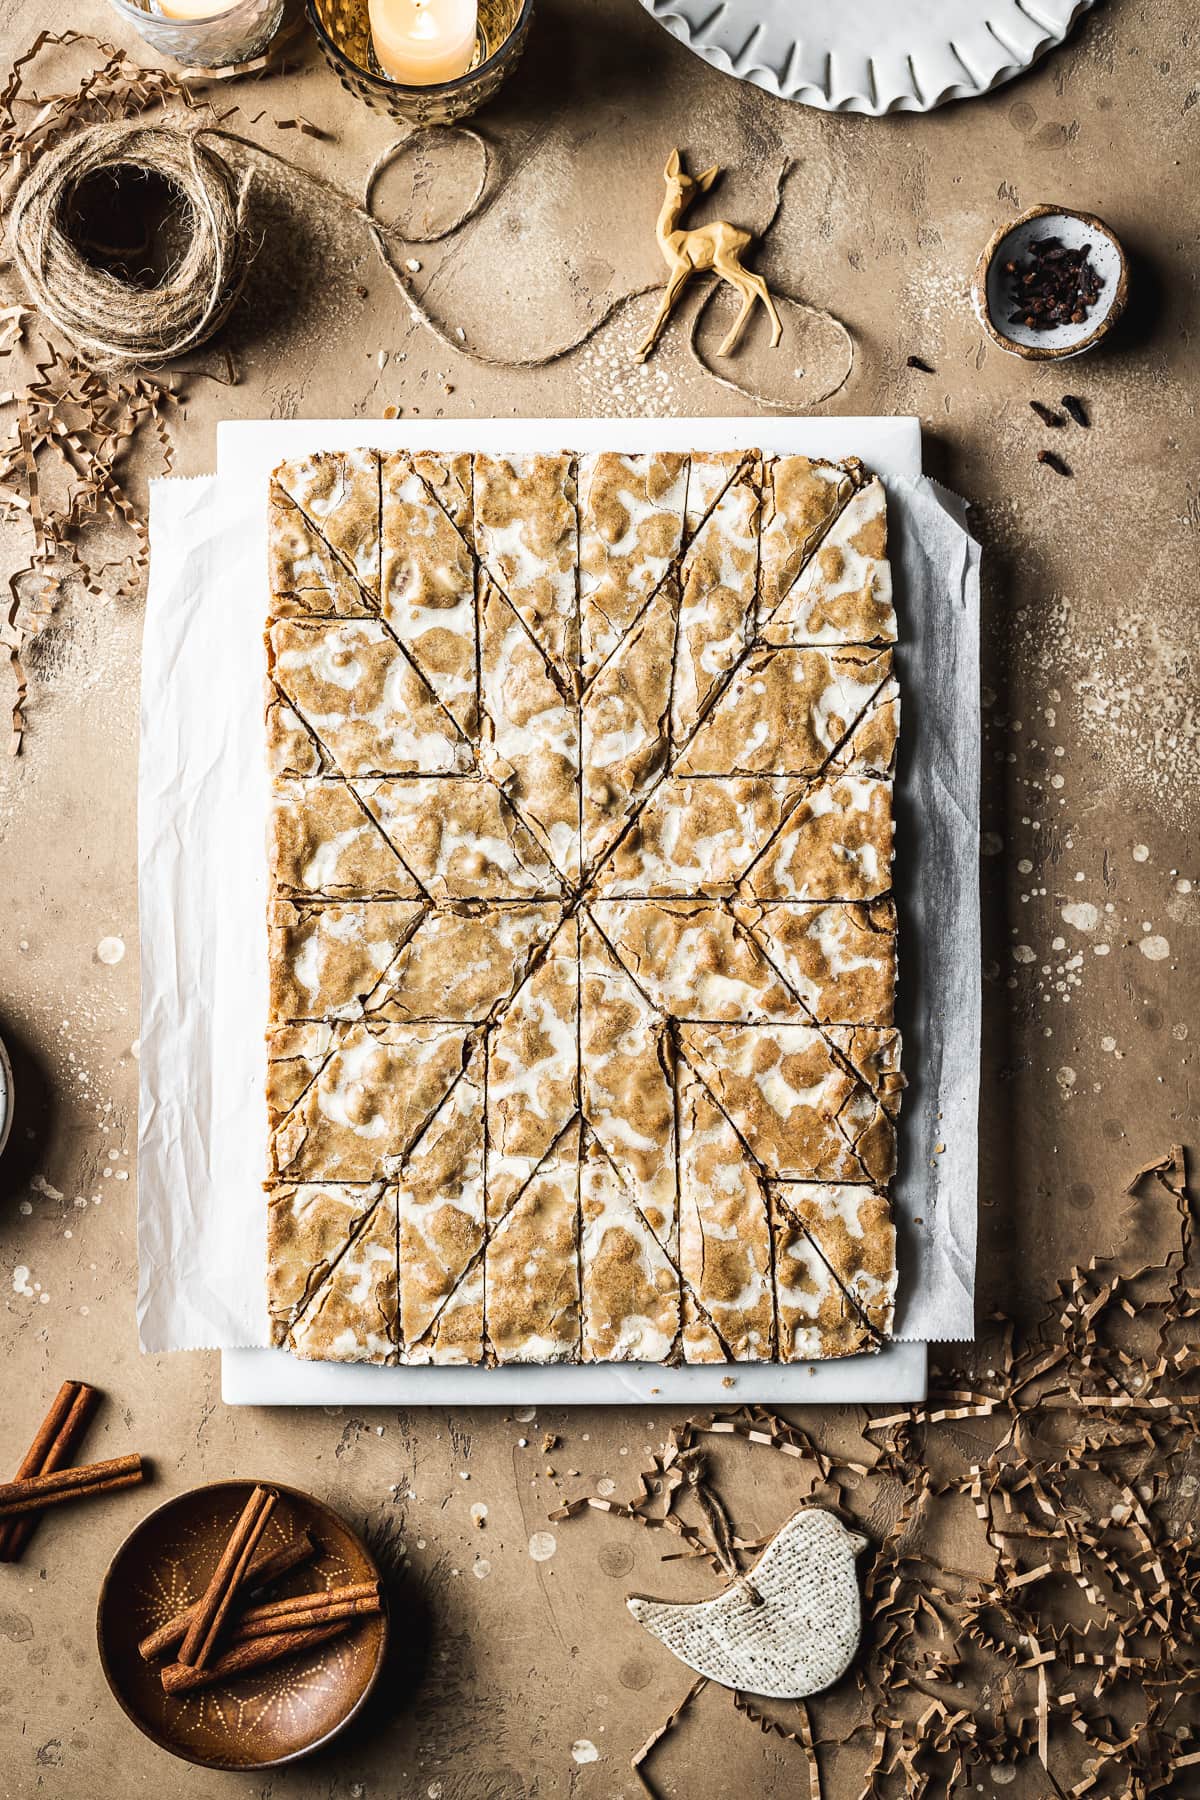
{"x": 344, "y": 33}
{"x": 203, "y": 33}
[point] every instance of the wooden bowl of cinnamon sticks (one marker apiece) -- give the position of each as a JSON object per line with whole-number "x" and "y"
{"x": 242, "y": 1625}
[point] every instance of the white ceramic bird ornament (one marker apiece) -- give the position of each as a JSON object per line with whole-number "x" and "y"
{"x": 786, "y": 1628}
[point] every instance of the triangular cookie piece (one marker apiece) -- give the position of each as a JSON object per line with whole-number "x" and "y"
{"x": 709, "y": 474}
{"x": 533, "y": 1070}
{"x": 291, "y": 748}
{"x": 353, "y": 1315}
{"x": 309, "y": 1225}
{"x": 631, "y": 512}
{"x": 338, "y": 491}
{"x": 363, "y": 699}
{"x": 695, "y": 838}
{"x": 835, "y": 844}
{"x": 783, "y": 1089}
{"x": 801, "y": 499}
{"x": 839, "y": 960}
{"x": 440, "y": 1201}
{"x": 724, "y": 1235}
{"x": 626, "y": 724}
{"x": 307, "y": 579}
{"x": 530, "y": 737}
{"x": 626, "y": 1072}
{"x": 719, "y": 578}
{"x": 325, "y": 961}
{"x": 368, "y": 1101}
{"x": 693, "y": 960}
{"x": 428, "y": 592}
{"x": 852, "y": 1228}
{"x": 532, "y": 1266}
{"x": 448, "y": 476}
{"x": 630, "y": 1288}
{"x": 867, "y": 1119}
{"x": 464, "y": 963}
{"x": 324, "y": 843}
{"x": 461, "y": 839}
{"x": 817, "y": 1319}
{"x": 844, "y": 593}
{"x": 526, "y": 531}
{"x": 787, "y": 711}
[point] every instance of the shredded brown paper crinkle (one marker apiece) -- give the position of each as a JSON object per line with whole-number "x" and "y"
{"x": 1073, "y": 1645}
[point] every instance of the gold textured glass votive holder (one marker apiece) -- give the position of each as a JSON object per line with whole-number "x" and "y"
{"x": 344, "y": 34}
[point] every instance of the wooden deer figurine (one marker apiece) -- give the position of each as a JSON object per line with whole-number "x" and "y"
{"x": 718, "y": 247}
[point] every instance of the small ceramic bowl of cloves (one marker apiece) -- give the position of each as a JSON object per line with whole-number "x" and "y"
{"x": 1050, "y": 284}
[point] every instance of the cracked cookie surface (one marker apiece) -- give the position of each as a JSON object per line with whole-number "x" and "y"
{"x": 582, "y": 950}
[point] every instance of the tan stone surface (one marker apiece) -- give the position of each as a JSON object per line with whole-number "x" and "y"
{"x": 1090, "y": 650}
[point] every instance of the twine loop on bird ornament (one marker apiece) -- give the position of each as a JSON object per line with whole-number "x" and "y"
{"x": 189, "y": 268}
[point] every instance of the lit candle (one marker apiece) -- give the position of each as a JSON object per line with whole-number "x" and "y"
{"x": 420, "y": 42}
{"x": 195, "y": 9}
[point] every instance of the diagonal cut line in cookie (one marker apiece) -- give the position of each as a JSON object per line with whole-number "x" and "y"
{"x": 311, "y": 1295}
{"x": 492, "y": 716}
{"x": 523, "y": 970}
{"x": 366, "y": 812}
{"x": 724, "y": 682}
{"x": 565, "y": 689}
{"x": 443, "y": 509}
{"x": 321, "y": 749}
{"x": 411, "y": 660}
{"x": 592, "y": 1136}
{"x": 787, "y": 807}
{"x": 739, "y": 468}
{"x": 872, "y": 1331}
{"x": 489, "y": 1233}
{"x": 404, "y": 941}
{"x": 370, "y": 601}
{"x": 469, "y": 1042}
{"x": 672, "y": 571}
{"x": 858, "y": 480}
{"x": 804, "y": 784}
{"x": 758, "y": 1167}
{"x": 685, "y": 1286}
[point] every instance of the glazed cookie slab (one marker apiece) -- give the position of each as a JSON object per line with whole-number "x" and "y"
{"x": 582, "y": 950}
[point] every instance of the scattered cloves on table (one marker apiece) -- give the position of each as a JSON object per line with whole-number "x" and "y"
{"x": 1047, "y": 414}
{"x": 1074, "y": 405}
{"x": 918, "y": 362}
{"x": 1053, "y": 462}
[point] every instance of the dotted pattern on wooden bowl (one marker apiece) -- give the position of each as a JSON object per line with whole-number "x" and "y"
{"x": 269, "y": 1715}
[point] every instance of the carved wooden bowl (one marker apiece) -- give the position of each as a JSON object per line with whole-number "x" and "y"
{"x": 267, "y": 1716}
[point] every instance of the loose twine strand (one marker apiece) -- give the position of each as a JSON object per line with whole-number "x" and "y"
{"x": 112, "y": 323}
{"x": 117, "y": 326}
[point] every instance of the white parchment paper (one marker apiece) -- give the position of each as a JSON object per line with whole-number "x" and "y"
{"x": 202, "y": 879}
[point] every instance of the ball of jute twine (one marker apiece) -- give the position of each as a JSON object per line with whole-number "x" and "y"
{"x": 113, "y": 323}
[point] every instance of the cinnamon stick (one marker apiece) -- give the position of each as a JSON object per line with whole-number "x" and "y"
{"x": 180, "y": 1678}
{"x": 313, "y": 1601}
{"x": 57, "y": 1436}
{"x": 267, "y": 1567}
{"x": 38, "y": 1491}
{"x": 263, "y": 1621}
{"x": 210, "y": 1610}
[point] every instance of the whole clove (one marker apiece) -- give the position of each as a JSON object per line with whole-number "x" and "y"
{"x": 1055, "y": 285}
{"x": 1074, "y": 405}
{"x": 918, "y": 362}
{"x": 1047, "y": 414}
{"x": 1048, "y": 458}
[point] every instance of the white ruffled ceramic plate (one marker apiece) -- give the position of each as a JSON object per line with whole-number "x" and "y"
{"x": 877, "y": 56}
